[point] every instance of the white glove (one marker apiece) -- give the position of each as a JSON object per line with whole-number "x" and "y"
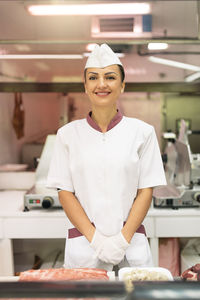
{"x": 113, "y": 250}
{"x": 97, "y": 242}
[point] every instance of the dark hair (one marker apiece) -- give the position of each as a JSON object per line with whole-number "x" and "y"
{"x": 121, "y": 72}
{"x": 121, "y": 68}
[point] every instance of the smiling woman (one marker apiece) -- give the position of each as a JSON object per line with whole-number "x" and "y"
{"x": 103, "y": 87}
{"x": 105, "y": 167}
{"x": 104, "y": 82}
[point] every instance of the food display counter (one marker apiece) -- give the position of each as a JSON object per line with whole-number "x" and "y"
{"x": 103, "y": 290}
{"x": 53, "y": 224}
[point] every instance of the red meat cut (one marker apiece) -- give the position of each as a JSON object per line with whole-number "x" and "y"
{"x": 196, "y": 268}
{"x": 192, "y": 273}
{"x": 63, "y": 274}
{"x": 189, "y": 275}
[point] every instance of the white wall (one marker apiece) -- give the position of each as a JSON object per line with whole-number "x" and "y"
{"x": 146, "y": 107}
{"x": 41, "y": 118}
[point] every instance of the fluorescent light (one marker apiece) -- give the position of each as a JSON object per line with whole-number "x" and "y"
{"x": 23, "y": 48}
{"x": 49, "y": 56}
{"x": 136, "y": 71}
{"x": 120, "y": 54}
{"x": 90, "y": 9}
{"x": 173, "y": 63}
{"x": 41, "y": 56}
{"x": 157, "y": 46}
{"x": 67, "y": 79}
{"x": 90, "y": 47}
{"x": 169, "y": 135}
{"x": 192, "y": 77}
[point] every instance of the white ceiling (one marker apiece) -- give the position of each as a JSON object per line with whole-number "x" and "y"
{"x": 21, "y": 33}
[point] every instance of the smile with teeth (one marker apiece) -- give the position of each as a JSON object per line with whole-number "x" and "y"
{"x": 102, "y": 94}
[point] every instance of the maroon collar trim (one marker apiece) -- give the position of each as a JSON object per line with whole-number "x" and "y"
{"x": 117, "y": 118}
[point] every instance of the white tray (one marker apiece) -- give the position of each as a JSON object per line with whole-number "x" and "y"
{"x": 125, "y": 271}
{"x": 9, "y": 278}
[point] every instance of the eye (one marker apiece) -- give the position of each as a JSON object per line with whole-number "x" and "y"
{"x": 92, "y": 77}
{"x": 110, "y": 77}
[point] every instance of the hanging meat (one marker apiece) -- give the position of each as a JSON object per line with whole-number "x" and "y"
{"x": 18, "y": 116}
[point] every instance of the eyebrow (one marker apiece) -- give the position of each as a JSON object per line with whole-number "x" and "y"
{"x": 108, "y": 73}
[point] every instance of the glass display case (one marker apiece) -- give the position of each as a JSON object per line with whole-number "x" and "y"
{"x": 97, "y": 289}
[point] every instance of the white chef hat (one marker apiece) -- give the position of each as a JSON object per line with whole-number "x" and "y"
{"x": 101, "y": 57}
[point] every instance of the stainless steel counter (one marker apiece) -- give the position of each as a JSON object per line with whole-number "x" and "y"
{"x": 53, "y": 223}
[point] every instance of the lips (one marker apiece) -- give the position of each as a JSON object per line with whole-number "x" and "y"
{"x": 102, "y": 94}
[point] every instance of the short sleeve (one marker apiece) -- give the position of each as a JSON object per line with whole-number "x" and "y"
{"x": 151, "y": 170}
{"x": 59, "y": 171}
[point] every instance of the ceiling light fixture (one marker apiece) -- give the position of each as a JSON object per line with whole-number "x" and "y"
{"x": 157, "y": 46}
{"x": 192, "y": 77}
{"x": 90, "y": 9}
{"x": 41, "y": 56}
{"x": 173, "y": 63}
{"x": 23, "y": 48}
{"x": 90, "y": 47}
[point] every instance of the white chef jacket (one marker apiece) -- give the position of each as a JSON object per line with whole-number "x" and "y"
{"x": 105, "y": 170}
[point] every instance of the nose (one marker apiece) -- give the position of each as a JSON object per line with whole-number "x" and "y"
{"x": 102, "y": 83}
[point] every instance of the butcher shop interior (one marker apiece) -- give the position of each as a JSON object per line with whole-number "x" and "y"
{"x": 60, "y": 62}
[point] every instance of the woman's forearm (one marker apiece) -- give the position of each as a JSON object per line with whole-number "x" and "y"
{"x": 137, "y": 213}
{"x": 76, "y": 214}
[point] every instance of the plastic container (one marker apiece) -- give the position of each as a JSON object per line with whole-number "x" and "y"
{"x": 124, "y": 272}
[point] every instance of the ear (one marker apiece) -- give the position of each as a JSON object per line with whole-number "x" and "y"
{"x": 123, "y": 87}
{"x": 85, "y": 89}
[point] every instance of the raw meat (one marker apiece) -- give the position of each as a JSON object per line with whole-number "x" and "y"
{"x": 63, "y": 274}
{"x": 196, "y": 268}
{"x": 192, "y": 273}
{"x": 189, "y": 275}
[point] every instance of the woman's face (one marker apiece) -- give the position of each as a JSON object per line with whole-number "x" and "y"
{"x": 104, "y": 86}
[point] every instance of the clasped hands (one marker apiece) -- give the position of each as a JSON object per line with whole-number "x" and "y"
{"x": 109, "y": 249}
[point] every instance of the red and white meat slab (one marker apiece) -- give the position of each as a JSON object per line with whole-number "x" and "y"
{"x": 63, "y": 274}
{"x": 192, "y": 273}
